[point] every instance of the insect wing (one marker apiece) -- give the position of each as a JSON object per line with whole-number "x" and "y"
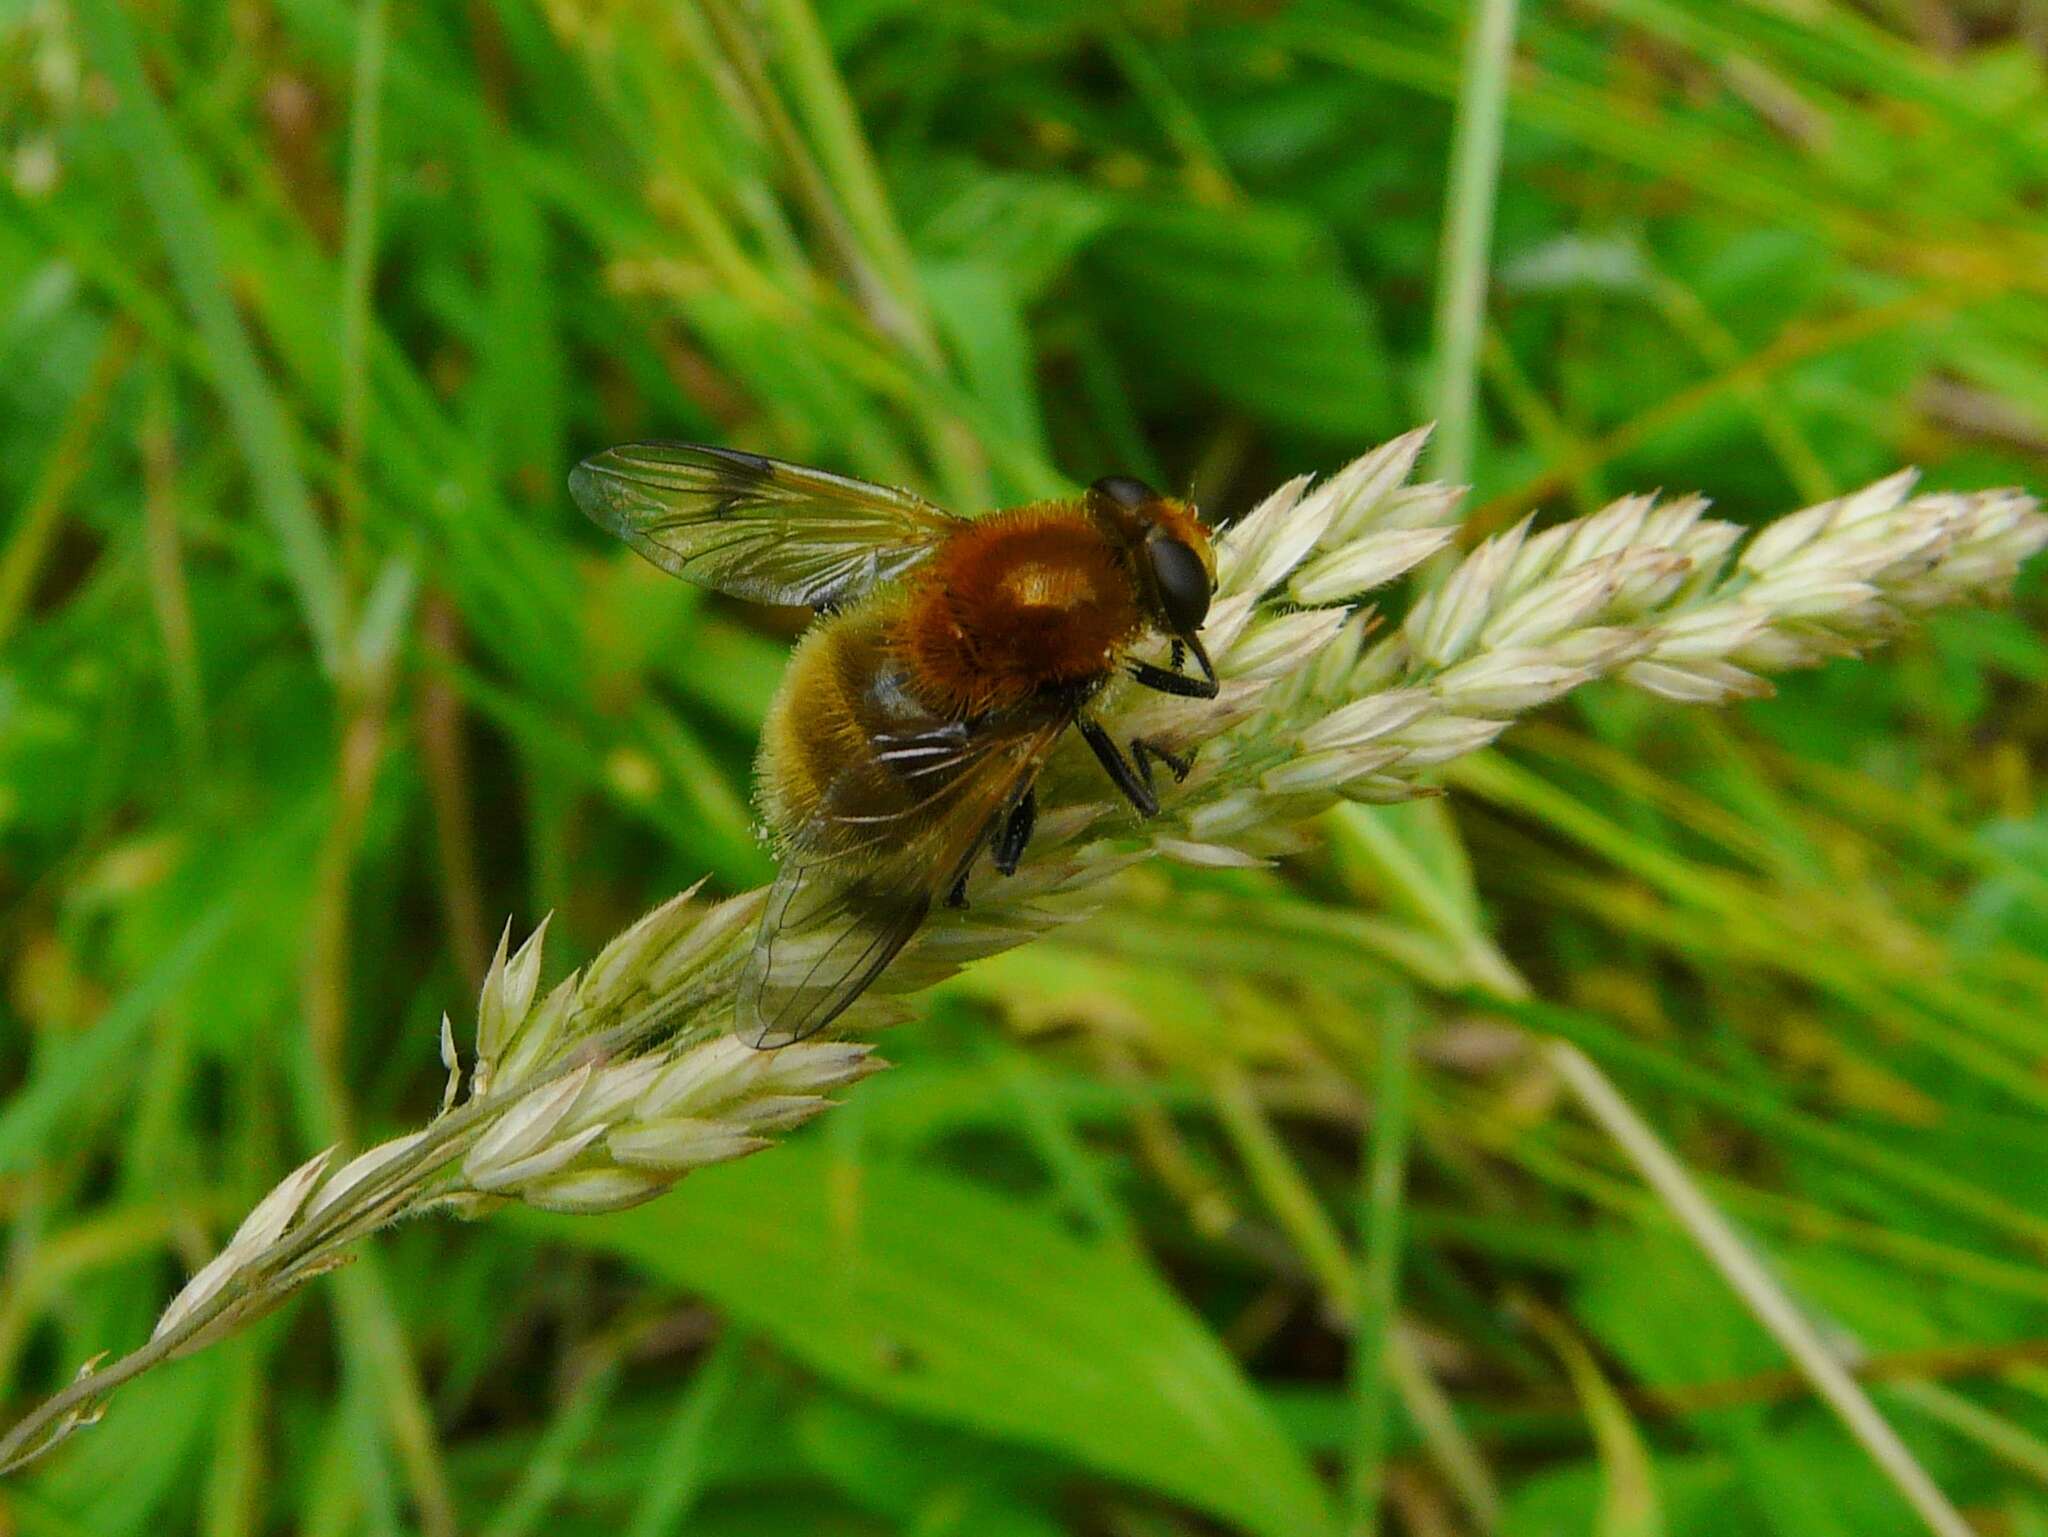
{"x": 853, "y": 890}
{"x": 757, "y": 528}
{"x": 820, "y": 945}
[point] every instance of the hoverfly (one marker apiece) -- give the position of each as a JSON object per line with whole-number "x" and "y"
{"x": 951, "y": 656}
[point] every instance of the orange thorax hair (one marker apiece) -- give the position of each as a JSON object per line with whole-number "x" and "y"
{"x": 1019, "y": 602}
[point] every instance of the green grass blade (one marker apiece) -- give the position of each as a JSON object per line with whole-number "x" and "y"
{"x": 171, "y": 184}
{"x": 676, "y": 1480}
{"x": 1379, "y": 1291}
{"x": 1468, "y": 234}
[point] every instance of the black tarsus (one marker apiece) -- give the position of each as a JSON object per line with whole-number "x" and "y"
{"x": 1137, "y": 790}
{"x": 957, "y": 897}
{"x": 1179, "y": 656}
{"x": 1016, "y": 832}
{"x": 1144, "y": 753}
{"x": 1174, "y": 682}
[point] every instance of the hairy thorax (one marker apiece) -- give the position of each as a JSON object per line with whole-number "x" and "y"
{"x": 1026, "y": 602}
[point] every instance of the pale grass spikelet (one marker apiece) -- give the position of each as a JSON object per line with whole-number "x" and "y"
{"x": 270, "y": 1217}
{"x": 451, "y": 1060}
{"x": 1366, "y": 565}
{"x": 508, "y": 1176}
{"x": 360, "y": 1168}
{"x": 522, "y": 1129}
{"x": 704, "y": 946}
{"x": 508, "y": 991}
{"x": 492, "y": 1027}
{"x": 1375, "y": 493}
{"x": 591, "y": 1192}
{"x": 1366, "y": 720}
{"x": 1228, "y": 617}
{"x": 1509, "y": 682}
{"x": 1440, "y": 738}
{"x": 675, "y": 1143}
{"x": 1597, "y": 649}
{"x": 1322, "y": 771}
{"x": 622, "y": 1078}
{"x": 1281, "y": 644}
{"x": 1432, "y": 504}
{"x": 1707, "y": 681}
{"x": 613, "y": 1092}
{"x": 1443, "y": 624}
{"x": 1221, "y": 818}
{"x": 1211, "y": 856}
{"x": 613, "y": 975}
{"x": 1271, "y": 540}
{"x": 715, "y": 1074}
{"x": 535, "y": 1041}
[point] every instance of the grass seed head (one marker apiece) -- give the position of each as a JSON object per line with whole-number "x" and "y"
{"x": 622, "y": 1078}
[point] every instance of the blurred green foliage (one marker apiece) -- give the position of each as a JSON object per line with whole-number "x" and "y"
{"x": 309, "y": 676}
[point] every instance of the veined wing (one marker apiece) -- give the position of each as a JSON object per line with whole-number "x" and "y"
{"x": 853, "y": 888}
{"x": 755, "y": 527}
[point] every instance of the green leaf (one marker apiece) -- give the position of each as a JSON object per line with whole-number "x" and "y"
{"x": 940, "y": 1298}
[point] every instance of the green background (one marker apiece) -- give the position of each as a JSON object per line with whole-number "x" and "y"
{"x": 310, "y": 676}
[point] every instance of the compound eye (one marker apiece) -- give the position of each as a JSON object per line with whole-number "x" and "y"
{"x": 1183, "y": 583}
{"x": 1124, "y": 491}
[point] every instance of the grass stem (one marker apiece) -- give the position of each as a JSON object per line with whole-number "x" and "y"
{"x": 1766, "y": 1298}
{"x": 1468, "y": 233}
{"x": 1384, "y": 1199}
{"x": 358, "y": 266}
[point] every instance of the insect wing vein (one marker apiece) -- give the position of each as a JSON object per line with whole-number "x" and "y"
{"x": 842, "y": 909}
{"x": 757, "y": 528}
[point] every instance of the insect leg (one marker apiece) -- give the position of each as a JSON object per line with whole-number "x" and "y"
{"x": 1016, "y": 832}
{"x": 1135, "y": 789}
{"x": 1172, "y": 682}
{"x": 1143, "y": 753}
{"x": 957, "y": 897}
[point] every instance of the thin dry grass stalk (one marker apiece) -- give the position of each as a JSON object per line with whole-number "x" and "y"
{"x": 607, "y": 1089}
